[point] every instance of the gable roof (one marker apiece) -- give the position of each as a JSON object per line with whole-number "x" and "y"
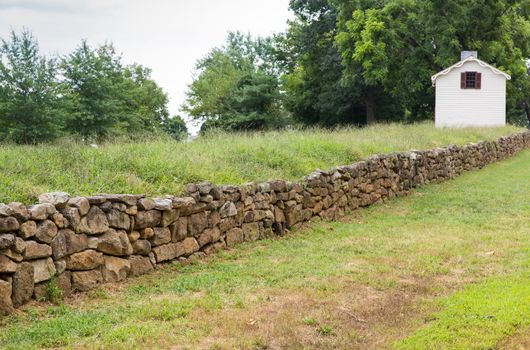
{"x": 461, "y": 63}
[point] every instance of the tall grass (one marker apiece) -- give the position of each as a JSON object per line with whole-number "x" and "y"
{"x": 164, "y": 166}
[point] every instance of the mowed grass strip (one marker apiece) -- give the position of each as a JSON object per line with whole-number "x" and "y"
{"x": 162, "y": 166}
{"x": 446, "y": 267}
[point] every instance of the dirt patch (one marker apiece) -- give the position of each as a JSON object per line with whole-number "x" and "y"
{"x": 519, "y": 341}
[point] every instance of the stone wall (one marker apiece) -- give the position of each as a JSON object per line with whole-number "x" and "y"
{"x": 79, "y": 243}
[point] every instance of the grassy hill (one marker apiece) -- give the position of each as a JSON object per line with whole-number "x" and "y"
{"x": 157, "y": 167}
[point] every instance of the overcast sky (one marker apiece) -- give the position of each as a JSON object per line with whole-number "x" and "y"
{"x": 166, "y": 35}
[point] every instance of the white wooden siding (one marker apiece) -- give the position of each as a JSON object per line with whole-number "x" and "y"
{"x": 456, "y": 107}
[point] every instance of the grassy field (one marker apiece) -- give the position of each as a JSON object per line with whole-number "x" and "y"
{"x": 164, "y": 166}
{"x": 445, "y": 268}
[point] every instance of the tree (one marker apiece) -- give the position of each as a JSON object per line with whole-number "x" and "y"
{"x": 317, "y": 90}
{"x": 175, "y": 127}
{"x": 399, "y": 44}
{"x": 236, "y": 86}
{"x": 30, "y": 93}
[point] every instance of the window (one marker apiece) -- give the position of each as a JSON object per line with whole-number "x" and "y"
{"x": 470, "y": 80}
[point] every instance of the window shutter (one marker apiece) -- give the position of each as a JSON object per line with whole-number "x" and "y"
{"x": 478, "y": 81}
{"x": 462, "y": 80}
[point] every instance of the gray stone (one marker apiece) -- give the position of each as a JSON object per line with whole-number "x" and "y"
{"x": 12, "y": 254}
{"x": 197, "y": 223}
{"x": 60, "y": 266}
{"x": 19, "y": 246}
{"x": 41, "y": 211}
{"x": 6, "y": 240}
{"x": 57, "y": 199}
{"x": 23, "y": 284}
{"x": 81, "y": 203}
{"x": 59, "y": 220}
{"x": 20, "y": 212}
{"x": 163, "y": 203}
{"x": 71, "y": 214}
{"x": 234, "y": 236}
{"x": 8, "y": 224}
{"x": 84, "y": 261}
{"x": 68, "y": 242}
{"x": 228, "y": 210}
{"x": 6, "y": 210}
{"x": 95, "y": 222}
{"x": 6, "y": 305}
{"x": 187, "y": 247}
{"x": 115, "y": 243}
{"x": 150, "y": 218}
{"x": 210, "y": 235}
{"x": 115, "y": 269}
{"x": 46, "y": 231}
{"x": 36, "y": 250}
{"x": 118, "y": 219}
{"x": 83, "y": 281}
{"x": 44, "y": 269}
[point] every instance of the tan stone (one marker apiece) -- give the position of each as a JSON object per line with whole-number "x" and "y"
{"x": 28, "y": 229}
{"x": 234, "y": 236}
{"x": 83, "y": 261}
{"x": 80, "y": 203}
{"x": 68, "y": 242}
{"x": 118, "y": 219}
{"x": 23, "y": 284}
{"x": 161, "y": 236}
{"x": 7, "y": 265}
{"x": 46, "y": 231}
{"x": 115, "y": 243}
{"x": 44, "y": 269}
{"x": 140, "y": 265}
{"x": 6, "y": 305}
{"x": 169, "y": 217}
{"x": 36, "y": 250}
{"x": 150, "y": 218}
{"x": 95, "y": 222}
{"x": 8, "y": 224}
{"x": 115, "y": 269}
{"x": 83, "y": 281}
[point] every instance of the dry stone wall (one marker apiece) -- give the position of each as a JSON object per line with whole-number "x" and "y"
{"x": 82, "y": 242}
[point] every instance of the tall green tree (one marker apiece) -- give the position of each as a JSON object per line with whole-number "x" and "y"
{"x": 236, "y": 86}
{"x": 399, "y": 44}
{"x": 30, "y": 93}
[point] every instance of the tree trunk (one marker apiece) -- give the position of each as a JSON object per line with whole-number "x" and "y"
{"x": 370, "y": 106}
{"x": 527, "y": 110}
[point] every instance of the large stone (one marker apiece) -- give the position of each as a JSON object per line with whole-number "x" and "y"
{"x": 6, "y": 305}
{"x": 83, "y": 281}
{"x": 146, "y": 204}
{"x": 115, "y": 243}
{"x": 44, "y": 269}
{"x": 115, "y": 269}
{"x": 118, "y": 219}
{"x": 20, "y": 212}
{"x": 228, "y": 210}
{"x": 68, "y": 242}
{"x": 210, "y": 235}
{"x": 161, "y": 236}
{"x": 8, "y": 224}
{"x": 234, "y": 236}
{"x": 59, "y": 220}
{"x": 179, "y": 230}
{"x": 41, "y": 211}
{"x": 23, "y": 284}
{"x": 81, "y": 203}
{"x": 36, "y": 250}
{"x": 19, "y": 246}
{"x": 83, "y": 261}
{"x": 46, "y": 231}
{"x": 140, "y": 265}
{"x": 58, "y": 199}
{"x": 28, "y": 229}
{"x": 7, "y": 265}
{"x": 197, "y": 223}
{"x": 163, "y": 203}
{"x": 95, "y": 222}
{"x": 6, "y": 241}
{"x": 71, "y": 214}
{"x": 5, "y": 210}
{"x": 12, "y": 254}
{"x": 251, "y": 231}
{"x": 187, "y": 247}
{"x": 169, "y": 217}
{"x": 165, "y": 252}
{"x": 142, "y": 247}
{"x": 150, "y": 218}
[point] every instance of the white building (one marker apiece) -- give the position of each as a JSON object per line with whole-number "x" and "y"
{"x": 470, "y": 93}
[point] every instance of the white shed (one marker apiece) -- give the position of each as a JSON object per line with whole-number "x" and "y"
{"x": 470, "y": 93}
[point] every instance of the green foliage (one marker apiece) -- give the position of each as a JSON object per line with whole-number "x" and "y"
{"x": 399, "y": 44}
{"x": 175, "y": 127}
{"x": 53, "y": 293}
{"x": 90, "y": 92}
{"x": 30, "y": 103}
{"x": 236, "y": 87}
{"x": 159, "y": 166}
{"x": 108, "y": 99}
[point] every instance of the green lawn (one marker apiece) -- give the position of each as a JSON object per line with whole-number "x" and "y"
{"x": 157, "y": 167}
{"x": 446, "y": 268}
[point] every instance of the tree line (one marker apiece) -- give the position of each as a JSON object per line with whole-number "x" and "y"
{"x": 358, "y": 62}
{"x": 338, "y": 62}
{"x": 89, "y": 93}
